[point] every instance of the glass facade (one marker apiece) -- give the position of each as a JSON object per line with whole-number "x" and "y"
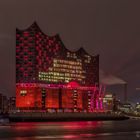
{"x": 46, "y": 71}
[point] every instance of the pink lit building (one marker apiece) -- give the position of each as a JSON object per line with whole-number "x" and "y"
{"x": 49, "y": 76}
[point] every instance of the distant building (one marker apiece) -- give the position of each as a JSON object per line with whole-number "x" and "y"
{"x": 108, "y": 101}
{"x": 126, "y": 107}
{"x": 7, "y": 104}
{"x": 12, "y": 103}
{"x": 3, "y": 103}
{"x": 49, "y": 76}
{"x": 137, "y": 107}
{"x": 1, "y": 106}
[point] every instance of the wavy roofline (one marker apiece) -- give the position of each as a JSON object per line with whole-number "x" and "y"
{"x": 57, "y": 36}
{"x": 78, "y": 50}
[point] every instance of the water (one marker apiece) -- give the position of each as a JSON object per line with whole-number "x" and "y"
{"x": 91, "y": 130}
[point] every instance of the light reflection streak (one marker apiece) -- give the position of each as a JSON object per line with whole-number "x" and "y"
{"x": 82, "y": 125}
{"x": 78, "y": 137}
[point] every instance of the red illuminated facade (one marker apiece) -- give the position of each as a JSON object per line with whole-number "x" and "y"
{"x": 49, "y": 76}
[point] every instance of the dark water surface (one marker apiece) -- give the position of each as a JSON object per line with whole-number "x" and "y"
{"x": 92, "y": 130}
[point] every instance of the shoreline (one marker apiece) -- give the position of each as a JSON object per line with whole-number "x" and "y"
{"x": 55, "y": 117}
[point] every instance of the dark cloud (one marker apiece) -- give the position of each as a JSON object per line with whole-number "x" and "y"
{"x": 106, "y": 27}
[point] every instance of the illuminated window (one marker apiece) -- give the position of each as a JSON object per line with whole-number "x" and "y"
{"x": 63, "y": 70}
{"x": 23, "y": 92}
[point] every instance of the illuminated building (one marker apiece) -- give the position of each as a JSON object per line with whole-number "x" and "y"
{"x": 12, "y": 103}
{"x": 3, "y": 103}
{"x": 108, "y": 101}
{"x": 126, "y": 107}
{"x": 137, "y": 107}
{"x": 49, "y": 76}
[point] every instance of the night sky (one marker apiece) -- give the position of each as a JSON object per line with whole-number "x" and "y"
{"x": 110, "y": 28}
